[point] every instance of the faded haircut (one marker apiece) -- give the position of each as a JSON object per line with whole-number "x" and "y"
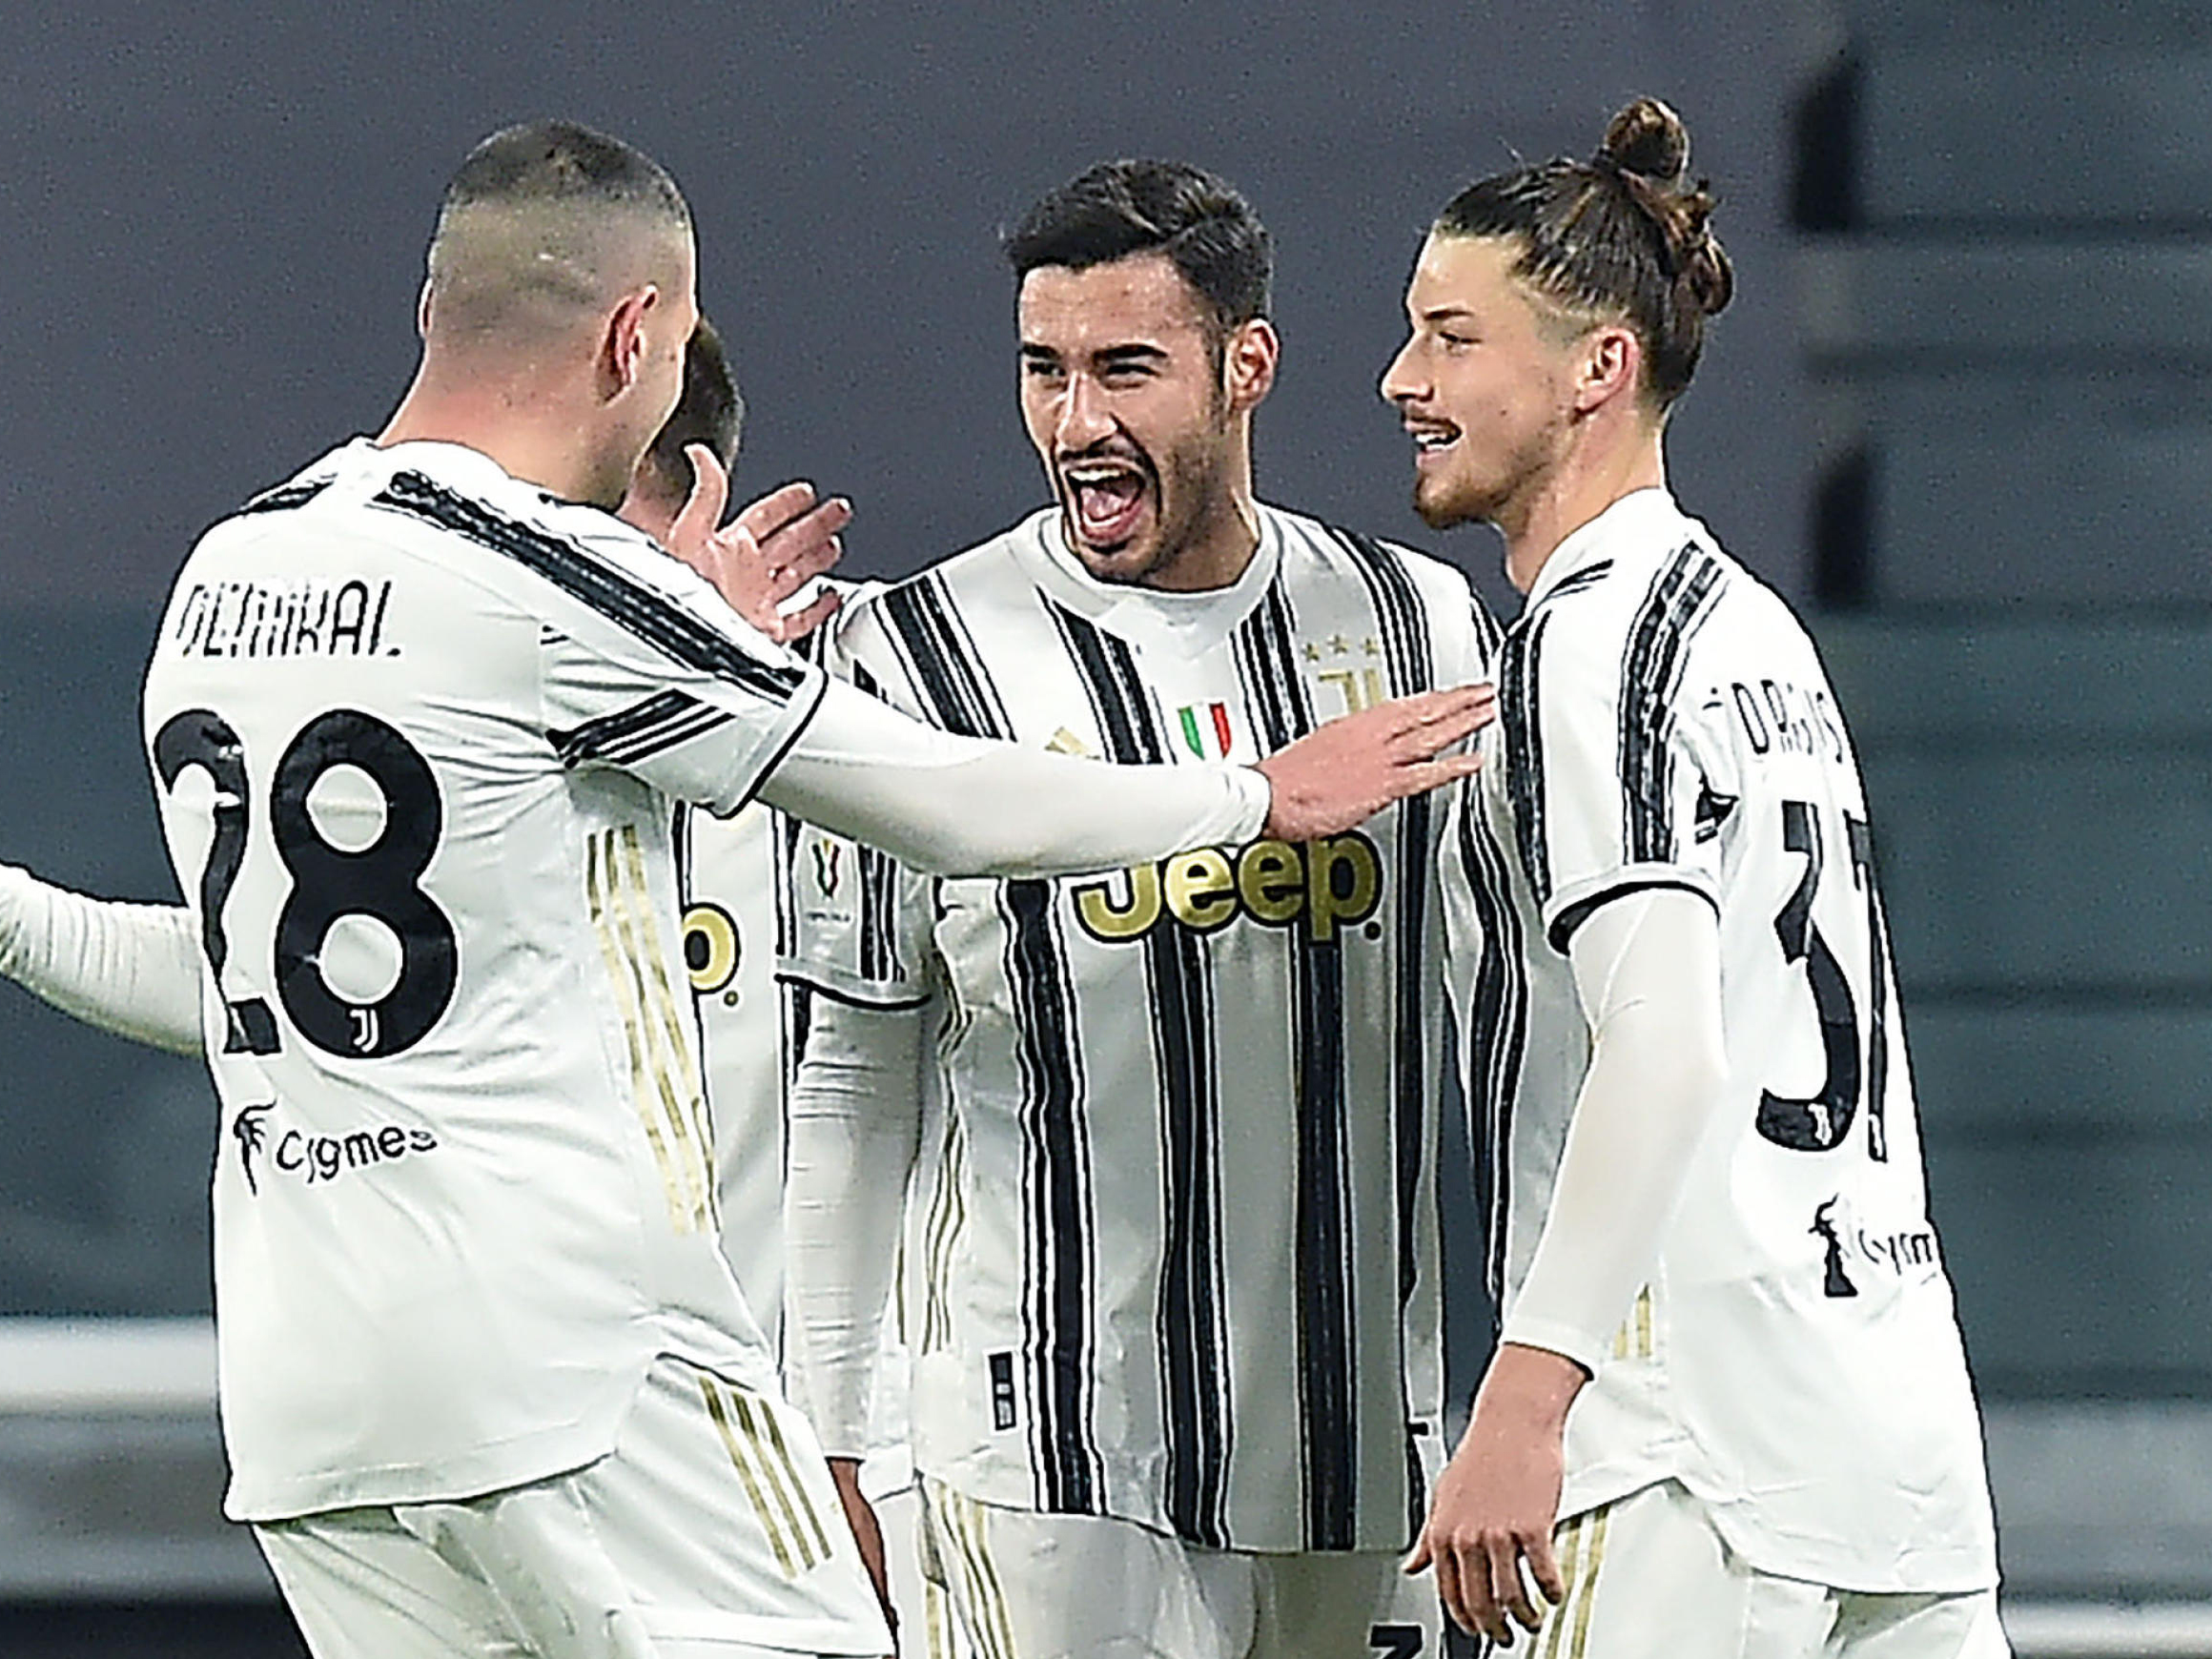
{"x": 546, "y": 220}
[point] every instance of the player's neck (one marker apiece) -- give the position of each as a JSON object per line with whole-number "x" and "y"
{"x": 1583, "y": 486}
{"x": 533, "y": 436}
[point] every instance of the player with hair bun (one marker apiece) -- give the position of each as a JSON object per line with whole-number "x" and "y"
{"x": 1708, "y": 1229}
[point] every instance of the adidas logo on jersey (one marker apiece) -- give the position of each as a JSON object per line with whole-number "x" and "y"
{"x": 1328, "y": 885}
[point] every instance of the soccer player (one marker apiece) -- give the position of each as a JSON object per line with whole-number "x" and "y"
{"x": 1709, "y": 1220}
{"x": 1176, "y": 1382}
{"x": 135, "y": 969}
{"x": 418, "y": 721}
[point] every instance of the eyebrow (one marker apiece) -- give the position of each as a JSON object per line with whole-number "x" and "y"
{"x": 1110, "y": 356}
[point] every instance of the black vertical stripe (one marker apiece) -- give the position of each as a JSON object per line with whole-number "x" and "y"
{"x": 1409, "y": 662}
{"x": 878, "y": 897}
{"x": 1329, "y": 1426}
{"x": 1519, "y": 663}
{"x": 1190, "y": 1323}
{"x": 948, "y": 672}
{"x": 1497, "y": 1035}
{"x": 1651, "y": 668}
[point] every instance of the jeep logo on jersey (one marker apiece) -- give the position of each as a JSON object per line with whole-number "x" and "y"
{"x": 1331, "y": 884}
{"x": 315, "y": 1160}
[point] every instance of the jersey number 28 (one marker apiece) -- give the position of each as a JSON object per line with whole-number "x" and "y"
{"x": 381, "y": 880}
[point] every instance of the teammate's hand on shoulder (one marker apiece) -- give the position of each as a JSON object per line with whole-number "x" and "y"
{"x": 1498, "y": 1498}
{"x": 762, "y": 559}
{"x": 1345, "y": 771}
{"x": 867, "y": 1531}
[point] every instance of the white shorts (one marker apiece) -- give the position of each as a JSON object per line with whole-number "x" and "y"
{"x": 1648, "y": 1577}
{"x": 1029, "y": 1586}
{"x": 711, "y": 1531}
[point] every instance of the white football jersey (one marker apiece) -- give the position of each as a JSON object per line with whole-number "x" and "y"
{"x": 1664, "y": 721}
{"x": 416, "y": 726}
{"x": 1180, "y": 1263}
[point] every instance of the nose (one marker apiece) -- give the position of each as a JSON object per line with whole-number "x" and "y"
{"x": 1082, "y": 420}
{"x": 1400, "y": 386}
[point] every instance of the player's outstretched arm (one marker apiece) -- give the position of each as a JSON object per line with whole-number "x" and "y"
{"x": 955, "y": 806}
{"x": 129, "y": 969}
{"x": 1647, "y": 969}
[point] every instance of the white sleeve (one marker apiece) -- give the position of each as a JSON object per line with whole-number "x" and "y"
{"x": 1646, "y": 967}
{"x": 958, "y": 806}
{"x": 855, "y": 1126}
{"x": 129, "y": 969}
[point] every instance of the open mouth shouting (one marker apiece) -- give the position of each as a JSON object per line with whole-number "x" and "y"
{"x": 1107, "y": 498}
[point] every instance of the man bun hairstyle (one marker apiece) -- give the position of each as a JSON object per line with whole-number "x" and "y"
{"x": 1117, "y": 209}
{"x": 1624, "y": 237}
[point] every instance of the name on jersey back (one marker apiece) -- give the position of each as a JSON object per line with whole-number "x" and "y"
{"x": 313, "y": 616}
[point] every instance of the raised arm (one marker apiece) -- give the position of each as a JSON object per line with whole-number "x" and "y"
{"x": 129, "y": 969}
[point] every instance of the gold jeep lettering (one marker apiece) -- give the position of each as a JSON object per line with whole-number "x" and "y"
{"x": 1331, "y": 884}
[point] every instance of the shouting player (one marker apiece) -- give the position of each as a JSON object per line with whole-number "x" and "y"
{"x": 1174, "y": 1301}
{"x": 418, "y": 721}
{"x": 1709, "y": 1226}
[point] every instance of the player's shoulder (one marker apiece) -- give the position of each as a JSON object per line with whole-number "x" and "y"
{"x": 1315, "y": 545}
{"x": 1643, "y": 576}
{"x": 940, "y": 594}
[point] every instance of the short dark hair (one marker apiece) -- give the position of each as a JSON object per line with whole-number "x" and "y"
{"x": 1117, "y": 209}
{"x": 541, "y": 219}
{"x": 710, "y": 410}
{"x": 1624, "y": 235}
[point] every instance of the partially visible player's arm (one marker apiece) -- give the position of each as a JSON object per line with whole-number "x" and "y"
{"x": 855, "y": 1127}
{"x": 1647, "y": 968}
{"x": 956, "y": 806}
{"x": 129, "y": 969}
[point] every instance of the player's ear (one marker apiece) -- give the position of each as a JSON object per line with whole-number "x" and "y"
{"x": 422, "y": 311}
{"x": 1249, "y": 357}
{"x": 1610, "y": 360}
{"x": 621, "y": 340}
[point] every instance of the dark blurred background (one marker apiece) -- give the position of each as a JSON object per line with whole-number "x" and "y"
{"x": 1953, "y": 414}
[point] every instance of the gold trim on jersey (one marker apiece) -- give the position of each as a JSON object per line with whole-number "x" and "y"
{"x": 1634, "y": 1341}
{"x": 948, "y": 1216}
{"x": 992, "y": 1629}
{"x": 772, "y": 1482}
{"x": 1581, "y": 1552}
{"x": 664, "y": 1075}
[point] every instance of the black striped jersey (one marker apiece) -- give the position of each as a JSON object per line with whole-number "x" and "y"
{"x": 1664, "y": 721}
{"x": 1180, "y": 1264}
{"x": 416, "y": 729}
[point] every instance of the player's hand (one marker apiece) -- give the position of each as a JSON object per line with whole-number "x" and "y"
{"x": 760, "y": 560}
{"x": 1346, "y": 771}
{"x": 867, "y": 1531}
{"x": 1498, "y": 1499}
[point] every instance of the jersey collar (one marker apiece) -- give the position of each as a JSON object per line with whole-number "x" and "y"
{"x": 1641, "y": 515}
{"x": 1181, "y": 625}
